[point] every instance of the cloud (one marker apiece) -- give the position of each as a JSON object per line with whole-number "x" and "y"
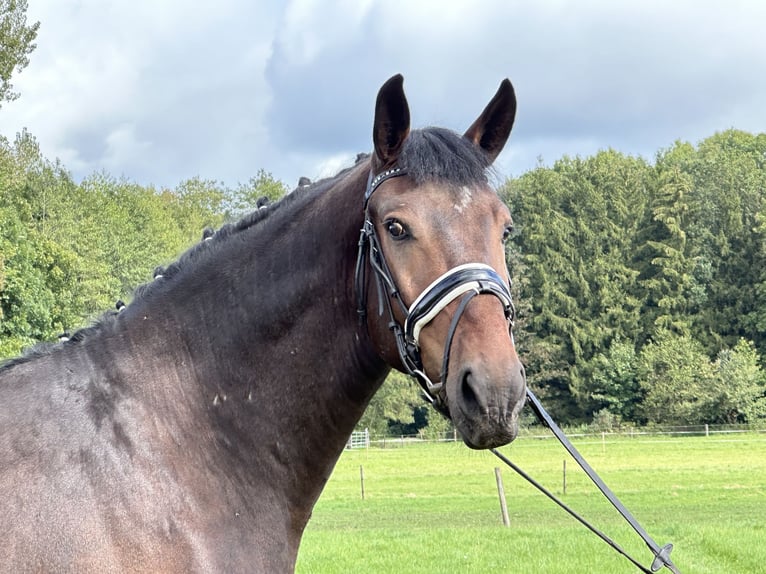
{"x": 160, "y": 92}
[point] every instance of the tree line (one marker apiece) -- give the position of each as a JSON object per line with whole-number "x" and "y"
{"x": 640, "y": 287}
{"x": 69, "y": 251}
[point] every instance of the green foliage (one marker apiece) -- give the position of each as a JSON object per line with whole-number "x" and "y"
{"x": 16, "y": 43}
{"x": 34, "y": 264}
{"x": 678, "y": 380}
{"x": 199, "y": 202}
{"x": 436, "y": 426}
{"x": 742, "y": 384}
{"x": 611, "y": 382}
{"x": 135, "y": 228}
{"x": 617, "y": 255}
{"x": 263, "y": 185}
{"x": 682, "y": 386}
{"x": 576, "y": 223}
{"x": 68, "y": 251}
{"x": 727, "y": 240}
{"x": 394, "y": 403}
{"x": 398, "y": 408}
{"x": 665, "y": 269}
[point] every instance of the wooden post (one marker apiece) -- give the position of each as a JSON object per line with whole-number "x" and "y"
{"x": 565, "y": 477}
{"x": 501, "y": 494}
{"x": 361, "y": 478}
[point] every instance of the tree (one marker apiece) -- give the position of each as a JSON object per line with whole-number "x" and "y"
{"x": 678, "y": 380}
{"x": 575, "y": 227}
{"x": 726, "y": 235}
{"x": 547, "y": 330}
{"x": 610, "y": 382}
{"x": 394, "y": 402}
{"x": 248, "y": 195}
{"x": 68, "y": 251}
{"x": 37, "y": 270}
{"x": 662, "y": 257}
{"x": 742, "y": 384}
{"x": 16, "y": 43}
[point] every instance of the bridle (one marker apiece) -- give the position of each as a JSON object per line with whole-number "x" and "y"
{"x": 466, "y": 281}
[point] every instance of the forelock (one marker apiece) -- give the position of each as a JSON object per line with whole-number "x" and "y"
{"x": 441, "y": 155}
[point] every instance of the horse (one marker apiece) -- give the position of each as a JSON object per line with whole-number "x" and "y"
{"x": 193, "y": 429}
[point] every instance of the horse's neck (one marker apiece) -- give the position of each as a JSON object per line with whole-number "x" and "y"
{"x": 272, "y": 343}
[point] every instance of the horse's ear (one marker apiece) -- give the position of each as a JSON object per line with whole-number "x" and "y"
{"x": 491, "y": 130}
{"x": 392, "y": 120}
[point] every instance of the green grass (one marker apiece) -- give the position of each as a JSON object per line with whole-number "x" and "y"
{"x": 432, "y": 508}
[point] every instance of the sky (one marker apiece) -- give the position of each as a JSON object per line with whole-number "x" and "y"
{"x": 160, "y": 91}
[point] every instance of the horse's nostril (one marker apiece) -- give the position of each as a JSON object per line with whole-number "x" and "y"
{"x": 472, "y": 397}
{"x": 469, "y": 396}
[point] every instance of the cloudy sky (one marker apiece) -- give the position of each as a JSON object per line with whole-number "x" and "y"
{"x": 162, "y": 90}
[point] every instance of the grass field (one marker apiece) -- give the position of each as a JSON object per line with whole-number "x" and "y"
{"x": 433, "y": 508}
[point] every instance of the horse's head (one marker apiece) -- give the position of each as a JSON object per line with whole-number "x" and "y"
{"x": 434, "y": 235}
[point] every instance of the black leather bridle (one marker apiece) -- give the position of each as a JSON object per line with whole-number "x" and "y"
{"x": 466, "y": 281}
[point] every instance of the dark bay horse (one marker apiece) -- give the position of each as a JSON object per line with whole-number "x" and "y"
{"x": 194, "y": 430}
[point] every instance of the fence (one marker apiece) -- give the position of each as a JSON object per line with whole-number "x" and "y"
{"x": 538, "y": 432}
{"x": 359, "y": 439}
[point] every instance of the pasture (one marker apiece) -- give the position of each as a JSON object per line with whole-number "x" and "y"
{"x": 434, "y": 508}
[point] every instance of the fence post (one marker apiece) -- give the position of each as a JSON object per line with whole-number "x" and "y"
{"x": 501, "y": 495}
{"x": 564, "y": 483}
{"x": 707, "y": 430}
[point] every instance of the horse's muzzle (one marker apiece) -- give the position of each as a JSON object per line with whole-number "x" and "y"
{"x": 487, "y": 414}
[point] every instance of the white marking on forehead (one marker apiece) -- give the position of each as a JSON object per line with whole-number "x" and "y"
{"x": 464, "y": 200}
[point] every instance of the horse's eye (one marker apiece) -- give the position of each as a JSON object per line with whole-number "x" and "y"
{"x": 396, "y": 229}
{"x": 507, "y": 232}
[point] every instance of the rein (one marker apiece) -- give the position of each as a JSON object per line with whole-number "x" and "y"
{"x": 661, "y": 555}
{"x": 466, "y": 281}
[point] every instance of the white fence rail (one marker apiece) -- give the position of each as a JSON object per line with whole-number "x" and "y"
{"x": 536, "y": 432}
